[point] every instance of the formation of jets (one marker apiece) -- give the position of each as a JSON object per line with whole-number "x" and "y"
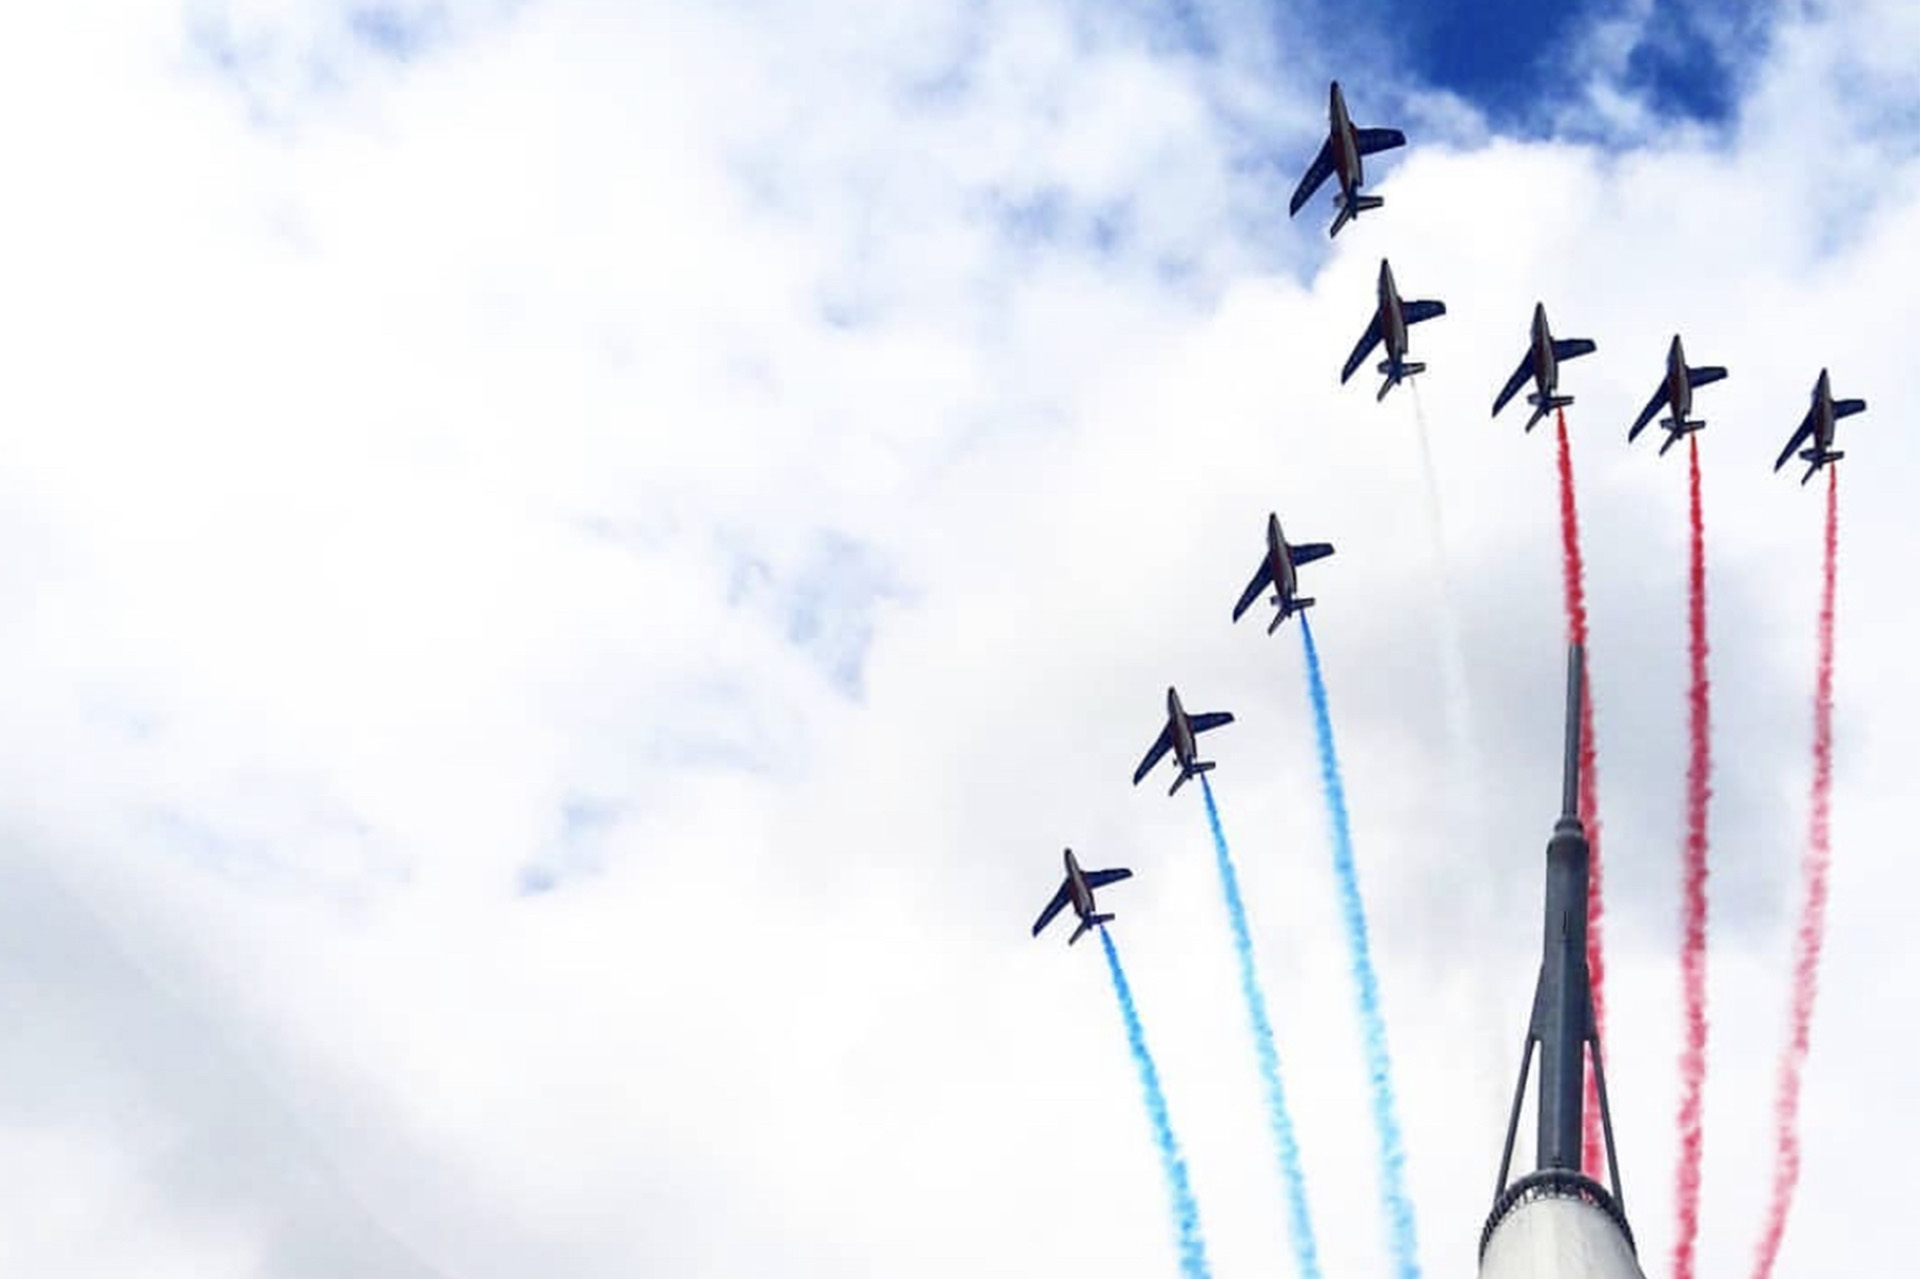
{"x": 1341, "y": 156}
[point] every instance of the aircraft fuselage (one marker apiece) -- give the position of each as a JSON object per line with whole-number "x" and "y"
{"x": 1393, "y": 317}
{"x": 1546, "y": 369}
{"x": 1182, "y": 730}
{"x": 1346, "y": 148}
{"x": 1079, "y": 893}
{"x": 1679, "y": 387}
{"x": 1823, "y": 415}
{"x": 1280, "y": 561}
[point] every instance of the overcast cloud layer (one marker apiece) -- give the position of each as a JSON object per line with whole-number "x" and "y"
{"x": 570, "y": 567}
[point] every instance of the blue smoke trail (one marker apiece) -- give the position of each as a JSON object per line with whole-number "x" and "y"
{"x": 1300, "y": 1226}
{"x": 1393, "y": 1189}
{"x": 1186, "y": 1212}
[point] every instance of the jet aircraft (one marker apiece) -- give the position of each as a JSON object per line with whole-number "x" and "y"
{"x": 1542, "y": 364}
{"x": 1391, "y": 317}
{"x": 1676, "y": 393}
{"x": 1077, "y": 888}
{"x": 1178, "y": 737}
{"x": 1817, "y": 426}
{"x": 1340, "y": 154}
{"x": 1277, "y": 569}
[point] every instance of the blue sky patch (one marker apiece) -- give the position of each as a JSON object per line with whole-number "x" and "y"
{"x": 391, "y": 30}
{"x": 1520, "y": 61}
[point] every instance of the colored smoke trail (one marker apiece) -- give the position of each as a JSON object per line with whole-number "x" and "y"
{"x": 1393, "y": 1191}
{"x": 1574, "y": 572}
{"x": 1299, "y": 1224}
{"x": 1693, "y": 947}
{"x": 1806, "y": 958}
{"x": 1186, "y": 1212}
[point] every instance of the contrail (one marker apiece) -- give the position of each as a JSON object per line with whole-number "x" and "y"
{"x": 1393, "y": 1191}
{"x": 1186, "y": 1212}
{"x": 1574, "y": 574}
{"x": 1693, "y": 947}
{"x": 1300, "y": 1225}
{"x": 1806, "y": 959}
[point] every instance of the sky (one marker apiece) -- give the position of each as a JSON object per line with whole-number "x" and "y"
{"x": 573, "y": 565}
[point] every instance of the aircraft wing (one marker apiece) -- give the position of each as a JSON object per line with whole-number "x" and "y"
{"x": 1646, "y": 414}
{"x": 1371, "y": 141}
{"x": 1262, "y": 578}
{"x": 1308, "y": 552}
{"x": 1161, "y": 745}
{"x": 1101, "y": 878}
{"x": 1319, "y": 171}
{"x": 1368, "y": 340}
{"x": 1212, "y": 719}
{"x": 1514, "y": 383}
{"x": 1700, "y": 377}
{"x": 1847, "y": 408}
{"x": 1573, "y": 348}
{"x": 1799, "y": 436}
{"x": 1418, "y": 311}
{"x": 1054, "y": 907}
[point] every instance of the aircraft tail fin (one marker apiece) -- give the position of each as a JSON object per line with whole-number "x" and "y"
{"x": 1544, "y": 404}
{"x": 1198, "y": 767}
{"x": 1283, "y": 614}
{"x": 1815, "y": 459}
{"x": 1393, "y": 376}
{"x": 1677, "y": 430}
{"x": 1351, "y": 209}
{"x": 1087, "y": 925}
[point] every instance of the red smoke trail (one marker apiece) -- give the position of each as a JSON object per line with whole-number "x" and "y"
{"x": 1693, "y": 946}
{"x": 1574, "y": 572}
{"x": 1806, "y": 957}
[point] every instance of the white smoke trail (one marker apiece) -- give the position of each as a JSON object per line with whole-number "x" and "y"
{"x": 1453, "y": 662}
{"x": 1495, "y": 1030}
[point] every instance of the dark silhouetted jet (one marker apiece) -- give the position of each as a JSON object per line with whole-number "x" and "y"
{"x": 1817, "y": 426}
{"x": 1340, "y": 154}
{"x": 1077, "y": 888}
{"x": 1391, "y": 317}
{"x": 1675, "y": 392}
{"x": 1277, "y": 569}
{"x": 1178, "y": 737}
{"x": 1542, "y": 364}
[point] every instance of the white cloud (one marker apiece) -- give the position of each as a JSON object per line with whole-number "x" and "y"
{"x": 564, "y": 592}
